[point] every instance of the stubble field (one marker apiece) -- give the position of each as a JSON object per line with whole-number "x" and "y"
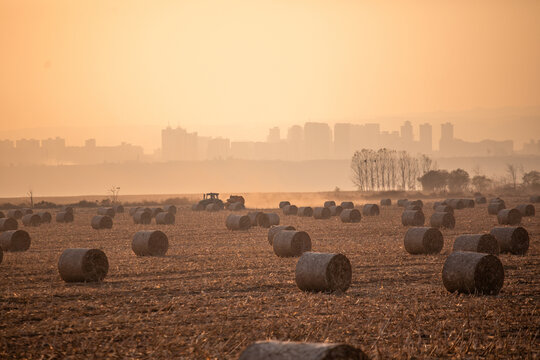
{"x": 216, "y": 291}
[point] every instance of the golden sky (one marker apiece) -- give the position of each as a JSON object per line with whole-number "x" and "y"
{"x": 238, "y": 66}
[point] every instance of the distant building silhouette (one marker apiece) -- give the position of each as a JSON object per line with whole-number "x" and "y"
{"x": 407, "y": 132}
{"x": 178, "y": 145}
{"x": 273, "y": 135}
{"x": 317, "y": 141}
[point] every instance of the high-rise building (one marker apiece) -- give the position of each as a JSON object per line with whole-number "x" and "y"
{"x": 273, "y": 135}
{"x": 317, "y": 140}
{"x": 446, "y": 144}
{"x": 407, "y": 133}
{"x": 426, "y": 138}
{"x": 295, "y": 143}
{"x": 218, "y": 148}
{"x": 178, "y": 145}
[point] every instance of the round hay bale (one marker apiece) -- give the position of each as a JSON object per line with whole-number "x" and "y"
{"x": 275, "y": 229}
{"x": 133, "y": 210}
{"x": 236, "y": 206}
{"x": 423, "y": 240}
{"x": 101, "y": 222}
{"x": 254, "y": 217}
{"x": 347, "y": 205}
{"x": 27, "y": 211}
{"x": 291, "y": 243}
{"x": 412, "y": 207}
{"x": 83, "y": 265}
{"x": 482, "y": 243}
{"x": 514, "y": 240}
{"x": 268, "y": 219}
{"x": 282, "y": 204}
{"x": 106, "y": 211}
{"x": 402, "y": 202}
{"x": 534, "y": 199}
{"x": 118, "y": 209}
{"x": 150, "y": 242}
{"x": 472, "y": 272}
{"x": 321, "y": 213}
{"x": 165, "y": 218}
{"x": 156, "y": 211}
{"x": 305, "y": 211}
{"x": 386, "y": 202}
{"x": 45, "y": 217}
{"x": 469, "y": 203}
{"x": 15, "y": 213}
{"x": 290, "y": 210}
{"x": 213, "y": 207}
{"x": 323, "y": 272}
{"x": 480, "y": 200}
{"x": 413, "y": 218}
{"x": 2, "y": 215}
{"x": 68, "y": 209}
{"x": 142, "y": 216}
{"x": 237, "y": 222}
{"x": 31, "y": 220}
{"x": 495, "y": 206}
{"x": 329, "y": 203}
{"x": 526, "y": 209}
{"x": 350, "y": 216}
{"x": 335, "y": 210}
{"x": 442, "y": 220}
{"x": 509, "y": 217}
{"x": 456, "y": 204}
{"x": 8, "y": 223}
{"x": 445, "y": 208}
{"x": 171, "y": 209}
{"x": 64, "y": 217}
{"x": 418, "y": 203}
{"x": 305, "y": 351}
{"x": 370, "y": 210}
{"x": 15, "y": 240}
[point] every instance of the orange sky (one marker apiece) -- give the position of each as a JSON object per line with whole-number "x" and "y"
{"x": 242, "y": 65}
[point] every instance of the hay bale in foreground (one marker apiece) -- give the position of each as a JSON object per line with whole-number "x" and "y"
{"x": 282, "y": 204}
{"x": 155, "y": 211}
{"x": 83, "y": 265}
{"x": 15, "y": 240}
{"x": 480, "y": 200}
{"x": 150, "y": 243}
{"x": 31, "y": 220}
{"x": 423, "y": 240}
{"x": 142, "y": 216}
{"x": 370, "y": 210}
{"x": 323, "y": 272}
{"x": 509, "y": 217}
{"x": 64, "y": 217}
{"x": 133, "y": 210}
{"x": 236, "y": 206}
{"x": 8, "y": 223}
{"x": 291, "y": 243}
{"x": 237, "y": 222}
{"x": 442, "y": 220}
{"x": 456, "y": 204}
{"x": 534, "y": 199}
{"x": 280, "y": 350}
{"x": 268, "y": 219}
{"x": 106, "y": 211}
{"x": 321, "y": 213}
{"x": 495, "y": 207}
{"x": 305, "y": 211}
{"x": 514, "y": 240}
{"x": 347, "y": 205}
{"x": 402, "y": 202}
{"x": 171, "y": 209}
{"x": 254, "y": 217}
{"x": 472, "y": 272}
{"x": 335, "y": 210}
{"x": 165, "y": 218}
{"x": 290, "y": 210}
{"x": 15, "y": 214}
{"x": 413, "y": 218}
{"x": 526, "y": 209}
{"x": 469, "y": 203}
{"x": 350, "y": 216}
{"x": 101, "y": 222}
{"x": 45, "y": 217}
{"x": 275, "y": 229}
{"x": 386, "y": 202}
{"x": 445, "y": 208}
{"x": 329, "y": 203}
{"x": 482, "y": 243}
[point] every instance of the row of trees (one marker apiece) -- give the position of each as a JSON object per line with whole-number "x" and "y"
{"x": 386, "y": 169}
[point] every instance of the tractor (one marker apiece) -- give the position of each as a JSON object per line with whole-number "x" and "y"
{"x": 209, "y": 198}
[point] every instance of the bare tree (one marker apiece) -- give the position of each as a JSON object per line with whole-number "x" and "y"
{"x": 114, "y": 194}
{"x": 513, "y": 171}
{"x": 30, "y": 194}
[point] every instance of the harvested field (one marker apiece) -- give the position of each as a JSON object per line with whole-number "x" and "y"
{"x": 217, "y": 291}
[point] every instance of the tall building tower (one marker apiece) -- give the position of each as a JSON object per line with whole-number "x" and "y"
{"x": 426, "y": 138}
{"x": 317, "y": 140}
{"x": 295, "y": 143}
{"x": 447, "y": 138}
{"x": 273, "y": 135}
{"x": 407, "y": 132}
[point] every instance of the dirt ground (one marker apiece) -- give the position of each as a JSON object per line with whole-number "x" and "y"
{"x": 217, "y": 291}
